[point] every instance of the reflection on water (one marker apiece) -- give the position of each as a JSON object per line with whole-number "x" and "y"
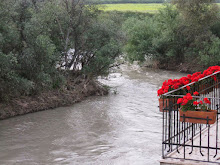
{"x": 117, "y": 129}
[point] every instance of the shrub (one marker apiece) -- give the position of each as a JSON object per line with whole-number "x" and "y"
{"x": 210, "y": 55}
{"x": 11, "y": 83}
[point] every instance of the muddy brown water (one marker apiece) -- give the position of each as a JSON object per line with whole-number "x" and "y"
{"x": 118, "y": 129}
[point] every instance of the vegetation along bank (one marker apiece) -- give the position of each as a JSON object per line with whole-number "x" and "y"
{"x": 47, "y": 46}
{"x": 183, "y": 36}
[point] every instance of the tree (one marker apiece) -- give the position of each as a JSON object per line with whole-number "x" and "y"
{"x": 37, "y": 35}
{"x": 197, "y": 16}
{"x": 139, "y": 38}
{"x": 155, "y": 37}
{"x": 73, "y": 25}
{"x": 184, "y": 32}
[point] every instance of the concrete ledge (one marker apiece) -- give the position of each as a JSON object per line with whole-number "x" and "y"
{"x": 170, "y": 161}
{"x": 196, "y": 151}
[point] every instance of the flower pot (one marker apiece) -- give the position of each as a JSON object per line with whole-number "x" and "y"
{"x": 198, "y": 116}
{"x": 164, "y": 103}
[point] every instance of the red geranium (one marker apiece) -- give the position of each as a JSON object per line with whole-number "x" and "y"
{"x": 189, "y": 103}
{"x": 185, "y": 101}
{"x": 206, "y": 100}
{"x": 195, "y": 103}
{"x": 196, "y": 93}
{"x": 188, "y": 88}
{"x": 179, "y": 101}
{"x": 170, "y": 84}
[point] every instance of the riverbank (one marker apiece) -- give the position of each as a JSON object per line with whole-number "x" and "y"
{"x": 187, "y": 68}
{"x": 74, "y": 92}
{"x": 123, "y": 129}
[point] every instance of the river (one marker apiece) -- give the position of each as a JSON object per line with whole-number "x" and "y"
{"x": 118, "y": 129}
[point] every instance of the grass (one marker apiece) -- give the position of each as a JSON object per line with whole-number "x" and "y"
{"x": 146, "y": 8}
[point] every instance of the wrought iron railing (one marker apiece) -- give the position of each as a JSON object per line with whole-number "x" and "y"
{"x": 192, "y": 141}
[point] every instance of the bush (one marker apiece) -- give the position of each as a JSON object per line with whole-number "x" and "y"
{"x": 210, "y": 55}
{"x": 11, "y": 84}
{"x": 139, "y": 38}
{"x": 156, "y": 37}
{"x": 36, "y": 36}
{"x": 178, "y": 34}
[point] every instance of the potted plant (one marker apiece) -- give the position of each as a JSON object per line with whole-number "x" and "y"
{"x": 169, "y": 85}
{"x": 203, "y": 86}
{"x": 211, "y": 70}
{"x": 194, "y": 111}
{"x": 165, "y": 103}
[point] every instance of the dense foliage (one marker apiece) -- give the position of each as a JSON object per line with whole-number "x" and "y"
{"x": 43, "y": 40}
{"x": 185, "y": 32}
{"x": 40, "y": 41}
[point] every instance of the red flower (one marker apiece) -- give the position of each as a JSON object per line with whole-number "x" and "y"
{"x": 214, "y": 77}
{"x": 201, "y": 102}
{"x": 195, "y": 103}
{"x": 165, "y": 83}
{"x": 188, "y": 96}
{"x": 160, "y": 92}
{"x": 206, "y": 100}
{"x": 188, "y": 88}
{"x": 201, "y": 76}
{"x": 189, "y": 76}
{"x": 179, "y": 101}
{"x": 186, "y": 82}
{"x": 170, "y": 84}
{"x": 185, "y": 101}
{"x": 196, "y": 93}
{"x": 195, "y": 79}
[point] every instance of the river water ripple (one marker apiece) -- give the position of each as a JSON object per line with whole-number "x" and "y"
{"x": 118, "y": 129}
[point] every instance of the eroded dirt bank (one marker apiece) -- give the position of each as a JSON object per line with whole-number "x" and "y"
{"x": 74, "y": 92}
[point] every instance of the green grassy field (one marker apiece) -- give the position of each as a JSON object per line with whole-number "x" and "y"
{"x": 146, "y": 8}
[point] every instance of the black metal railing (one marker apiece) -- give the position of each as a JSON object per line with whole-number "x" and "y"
{"x": 186, "y": 140}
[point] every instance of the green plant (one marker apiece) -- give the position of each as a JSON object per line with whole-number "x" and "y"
{"x": 36, "y": 38}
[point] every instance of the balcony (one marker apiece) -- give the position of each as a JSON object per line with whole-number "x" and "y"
{"x": 191, "y": 143}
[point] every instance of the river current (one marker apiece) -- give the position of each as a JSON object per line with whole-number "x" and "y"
{"x": 122, "y": 128}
